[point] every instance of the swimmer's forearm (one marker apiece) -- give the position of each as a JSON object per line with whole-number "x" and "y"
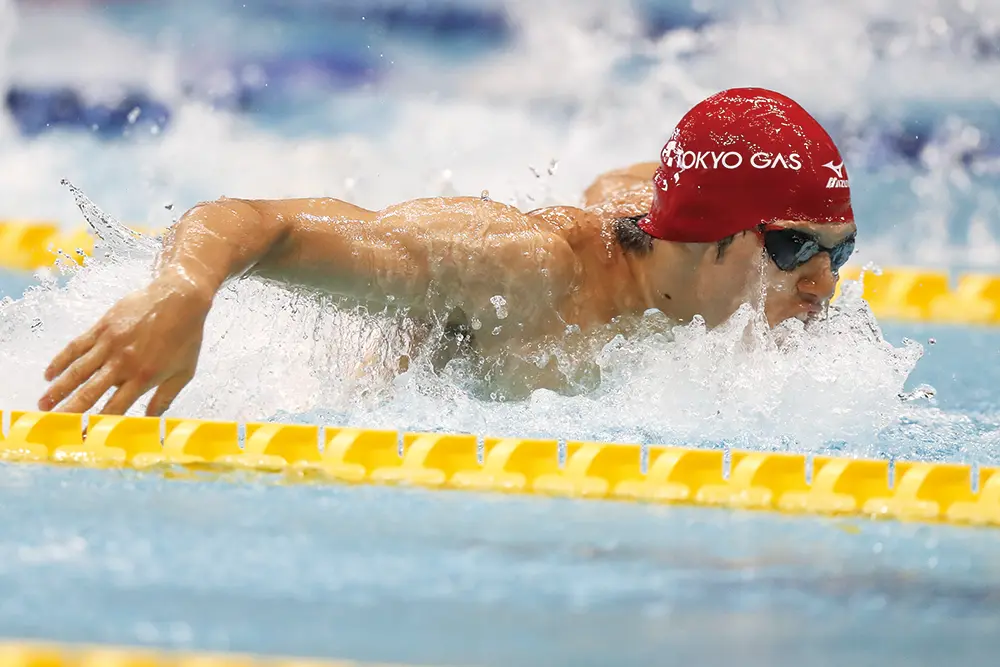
{"x": 215, "y": 241}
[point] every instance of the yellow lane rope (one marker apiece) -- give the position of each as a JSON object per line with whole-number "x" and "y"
{"x": 909, "y": 490}
{"x": 17, "y": 653}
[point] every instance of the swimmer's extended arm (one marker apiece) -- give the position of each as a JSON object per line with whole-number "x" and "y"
{"x": 215, "y": 241}
{"x": 434, "y": 256}
{"x": 426, "y": 254}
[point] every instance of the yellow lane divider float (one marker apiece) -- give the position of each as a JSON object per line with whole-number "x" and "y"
{"x": 29, "y": 245}
{"x": 913, "y": 491}
{"x": 905, "y": 294}
{"x": 920, "y": 295}
{"x": 51, "y": 654}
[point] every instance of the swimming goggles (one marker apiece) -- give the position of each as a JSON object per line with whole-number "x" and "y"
{"x": 791, "y": 248}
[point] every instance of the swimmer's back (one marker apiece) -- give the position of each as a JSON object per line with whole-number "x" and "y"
{"x": 552, "y": 266}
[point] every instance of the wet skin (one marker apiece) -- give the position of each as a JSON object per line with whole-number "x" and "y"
{"x": 441, "y": 259}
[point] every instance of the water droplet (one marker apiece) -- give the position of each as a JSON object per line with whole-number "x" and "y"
{"x": 497, "y": 330}
{"x": 932, "y": 341}
{"x": 552, "y": 166}
{"x": 500, "y": 304}
{"x": 921, "y": 392}
{"x": 877, "y": 548}
{"x": 872, "y": 268}
{"x": 133, "y": 115}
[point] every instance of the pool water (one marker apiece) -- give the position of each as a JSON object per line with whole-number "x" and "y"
{"x": 445, "y": 578}
{"x": 457, "y": 578}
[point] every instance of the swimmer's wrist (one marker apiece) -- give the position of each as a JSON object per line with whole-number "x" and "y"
{"x": 189, "y": 284}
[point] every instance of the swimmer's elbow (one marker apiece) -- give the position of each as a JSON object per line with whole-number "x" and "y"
{"x": 236, "y": 217}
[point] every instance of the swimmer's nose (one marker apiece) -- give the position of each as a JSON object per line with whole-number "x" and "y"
{"x": 818, "y": 280}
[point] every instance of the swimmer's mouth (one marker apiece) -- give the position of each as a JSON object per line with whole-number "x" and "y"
{"x": 811, "y": 307}
{"x": 809, "y": 310}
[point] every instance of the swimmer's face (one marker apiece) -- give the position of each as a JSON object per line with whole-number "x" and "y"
{"x": 746, "y": 267}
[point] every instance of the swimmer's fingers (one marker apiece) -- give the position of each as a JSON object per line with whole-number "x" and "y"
{"x": 91, "y": 392}
{"x": 77, "y": 373}
{"x": 166, "y": 394}
{"x": 123, "y": 399}
{"x": 70, "y": 353}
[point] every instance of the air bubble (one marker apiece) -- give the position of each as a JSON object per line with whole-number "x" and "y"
{"x": 500, "y": 305}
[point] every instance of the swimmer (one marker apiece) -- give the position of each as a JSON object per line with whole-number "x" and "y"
{"x": 750, "y": 196}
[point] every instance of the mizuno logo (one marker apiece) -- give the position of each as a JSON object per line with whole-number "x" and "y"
{"x": 838, "y": 169}
{"x": 837, "y": 181}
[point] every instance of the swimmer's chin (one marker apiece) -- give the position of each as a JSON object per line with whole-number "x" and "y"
{"x": 806, "y": 312}
{"x": 805, "y": 317}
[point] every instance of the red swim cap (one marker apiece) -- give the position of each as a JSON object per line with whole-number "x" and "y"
{"x": 742, "y": 157}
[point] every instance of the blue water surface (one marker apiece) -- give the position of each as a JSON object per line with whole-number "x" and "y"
{"x": 457, "y": 578}
{"x": 390, "y": 574}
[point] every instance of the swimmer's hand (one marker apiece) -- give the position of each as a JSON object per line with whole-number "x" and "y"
{"x": 151, "y": 338}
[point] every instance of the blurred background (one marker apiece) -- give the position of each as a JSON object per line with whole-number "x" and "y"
{"x": 150, "y": 106}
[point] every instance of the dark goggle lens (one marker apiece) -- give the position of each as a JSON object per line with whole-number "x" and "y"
{"x": 790, "y": 248}
{"x": 840, "y": 253}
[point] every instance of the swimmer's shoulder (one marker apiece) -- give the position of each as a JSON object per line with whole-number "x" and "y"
{"x": 624, "y": 182}
{"x": 564, "y": 231}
